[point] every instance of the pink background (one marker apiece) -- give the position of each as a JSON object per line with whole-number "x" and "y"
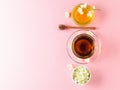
{"x": 33, "y": 51}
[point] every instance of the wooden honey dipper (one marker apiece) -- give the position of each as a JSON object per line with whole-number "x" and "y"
{"x": 64, "y": 27}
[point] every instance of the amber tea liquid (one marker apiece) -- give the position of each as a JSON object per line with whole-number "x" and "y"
{"x": 83, "y": 46}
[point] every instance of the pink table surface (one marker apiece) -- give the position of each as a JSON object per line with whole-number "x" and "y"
{"x": 33, "y": 52}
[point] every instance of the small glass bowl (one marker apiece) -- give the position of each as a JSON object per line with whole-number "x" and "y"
{"x": 81, "y": 75}
{"x": 86, "y": 59}
{"x": 82, "y": 14}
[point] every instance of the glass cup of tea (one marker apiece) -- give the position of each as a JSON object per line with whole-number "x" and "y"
{"x": 82, "y": 14}
{"x": 83, "y": 46}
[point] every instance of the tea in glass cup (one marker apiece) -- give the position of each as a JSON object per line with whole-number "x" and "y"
{"x": 83, "y": 46}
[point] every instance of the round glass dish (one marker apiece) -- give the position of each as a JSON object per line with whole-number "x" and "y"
{"x": 83, "y": 46}
{"x": 83, "y": 14}
{"x": 81, "y": 75}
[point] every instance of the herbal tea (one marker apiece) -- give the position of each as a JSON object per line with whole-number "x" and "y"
{"x": 83, "y": 46}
